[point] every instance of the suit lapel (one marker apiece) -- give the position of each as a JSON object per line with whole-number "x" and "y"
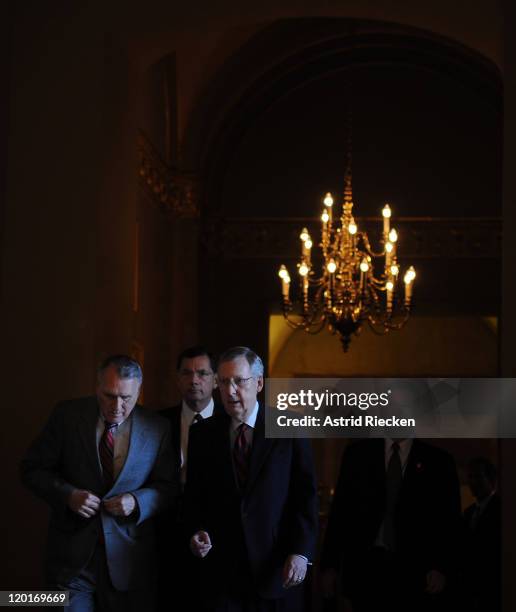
{"x": 413, "y": 460}
{"x": 378, "y": 474}
{"x": 221, "y": 451}
{"x": 88, "y": 435}
{"x": 260, "y": 449}
{"x": 137, "y": 441}
{"x": 414, "y": 466}
{"x": 175, "y": 431}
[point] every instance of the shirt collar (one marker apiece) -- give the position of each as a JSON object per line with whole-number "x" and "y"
{"x": 404, "y": 445}
{"x": 189, "y": 414}
{"x": 103, "y": 420}
{"x": 250, "y": 419}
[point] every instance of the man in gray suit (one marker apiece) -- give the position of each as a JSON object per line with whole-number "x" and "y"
{"x": 105, "y": 465}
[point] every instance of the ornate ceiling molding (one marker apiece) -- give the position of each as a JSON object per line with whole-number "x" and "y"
{"x": 423, "y": 238}
{"x": 175, "y": 192}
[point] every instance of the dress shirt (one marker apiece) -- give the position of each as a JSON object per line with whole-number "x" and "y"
{"x": 479, "y": 510}
{"x": 187, "y": 417}
{"x": 121, "y": 437}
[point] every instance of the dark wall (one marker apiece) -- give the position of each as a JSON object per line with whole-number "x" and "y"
{"x": 67, "y": 279}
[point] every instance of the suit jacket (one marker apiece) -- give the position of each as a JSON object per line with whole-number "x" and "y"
{"x": 173, "y": 414}
{"x": 275, "y": 516}
{"x": 175, "y": 558}
{"x": 65, "y": 457}
{"x": 427, "y": 515}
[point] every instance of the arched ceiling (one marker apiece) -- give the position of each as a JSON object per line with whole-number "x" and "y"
{"x": 204, "y": 35}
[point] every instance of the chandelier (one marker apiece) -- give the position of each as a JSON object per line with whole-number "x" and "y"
{"x": 348, "y": 293}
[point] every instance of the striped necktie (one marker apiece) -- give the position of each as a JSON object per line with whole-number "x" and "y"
{"x": 106, "y": 454}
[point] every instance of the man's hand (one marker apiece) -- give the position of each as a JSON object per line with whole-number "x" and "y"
{"x": 200, "y": 544}
{"x": 294, "y": 571}
{"x": 435, "y": 582}
{"x": 84, "y": 503}
{"x": 121, "y": 505}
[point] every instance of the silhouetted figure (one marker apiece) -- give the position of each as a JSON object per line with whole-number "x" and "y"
{"x": 483, "y": 545}
{"x": 392, "y": 527}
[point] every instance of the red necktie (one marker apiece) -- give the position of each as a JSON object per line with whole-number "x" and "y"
{"x": 241, "y": 451}
{"x": 106, "y": 453}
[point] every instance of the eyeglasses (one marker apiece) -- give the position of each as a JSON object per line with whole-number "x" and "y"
{"x": 238, "y": 381}
{"x": 200, "y": 373}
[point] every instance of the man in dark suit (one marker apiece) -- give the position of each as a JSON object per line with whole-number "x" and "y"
{"x": 196, "y": 382}
{"x": 250, "y": 501}
{"x": 393, "y": 526}
{"x": 482, "y": 519}
{"x": 105, "y": 465}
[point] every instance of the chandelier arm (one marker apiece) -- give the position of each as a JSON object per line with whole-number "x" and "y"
{"x": 387, "y": 324}
{"x": 368, "y": 247}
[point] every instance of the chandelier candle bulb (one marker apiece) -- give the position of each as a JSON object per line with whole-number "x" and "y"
{"x": 364, "y": 267}
{"x": 389, "y": 286}
{"x": 307, "y": 245}
{"x": 410, "y": 274}
{"x": 285, "y": 287}
{"x": 285, "y": 282}
{"x": 389, "y": 247}
{"x": 393, "y": 238}
{"x": 328, "y": 202}
{"x": 283, "y": 272}
{"x": 386, "y": 212}
{"x": 305, "y": 293}
{"x": 332, "y": 266}
{"x": 408, "y": 293}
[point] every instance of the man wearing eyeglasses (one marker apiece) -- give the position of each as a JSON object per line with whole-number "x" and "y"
{"x": 250, "y": 501}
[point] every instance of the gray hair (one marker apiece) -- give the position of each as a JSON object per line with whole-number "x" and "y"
{"x": 125, "y": 366}
{"x": 252, "y": 358}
